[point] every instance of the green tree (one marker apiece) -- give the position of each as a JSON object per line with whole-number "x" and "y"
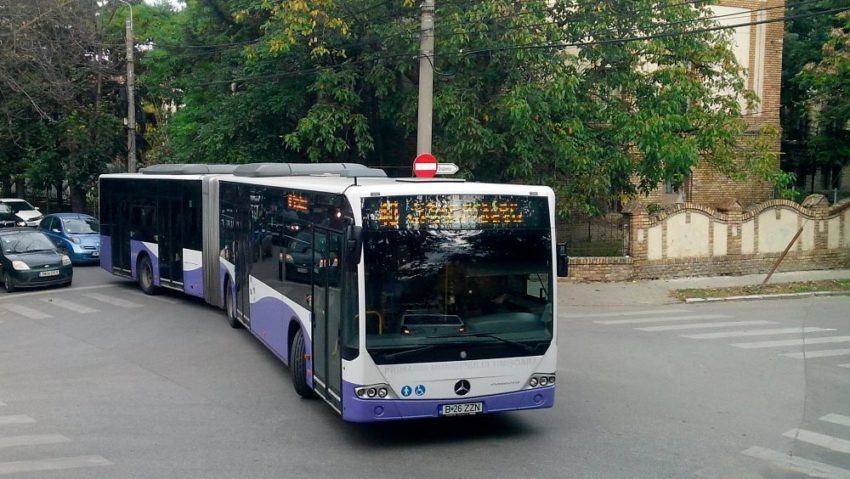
{"x": 597, "y": 99}
{"x": 827, "y": 83}
{"x": 54, "y": 62}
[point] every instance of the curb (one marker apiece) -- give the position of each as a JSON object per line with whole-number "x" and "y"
{"x": 754, "y": 297}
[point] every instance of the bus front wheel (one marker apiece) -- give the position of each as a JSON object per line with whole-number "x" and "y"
{"x": 298, "y": 367}
{"x": 146, "y": 276}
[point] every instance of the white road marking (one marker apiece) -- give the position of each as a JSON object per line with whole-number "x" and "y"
{"x": 793, "y": 342}
{"x": 837, "y": 419}
{"x": 33, "y": 440}
{"x": 57, "y": 464}
{"x": 18, "y": 419}
{"x": 623, "y": 313}
{"x": 844, "y": 365}
{"x": 824, "y": 353}
{"x": 9, "y": 297}
{"x": 113, "y": 301}
{"x": 755, "y": 332}
{"x": 69, "y": 305}
{"x": 818, "y": 439}
{"x": 26, "y": 312}
{"x": 664, "y": 320}
{"x": 2, "y": 404}
{"x": 723, "y": 324}
{"x": 798, "y": 464}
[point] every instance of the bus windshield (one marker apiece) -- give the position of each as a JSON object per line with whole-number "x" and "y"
{"x": 454, "y": 293}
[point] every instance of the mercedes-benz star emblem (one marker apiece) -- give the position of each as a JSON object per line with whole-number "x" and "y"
{"x": 462, "y": 387}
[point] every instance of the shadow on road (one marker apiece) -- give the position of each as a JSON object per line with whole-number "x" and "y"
{"x": 436, "y": 431}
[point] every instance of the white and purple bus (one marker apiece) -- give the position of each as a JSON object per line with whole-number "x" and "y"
{"x": 389, "y": 298}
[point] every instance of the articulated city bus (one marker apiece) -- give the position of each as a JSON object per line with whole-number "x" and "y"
{"x": 389, "y": 298}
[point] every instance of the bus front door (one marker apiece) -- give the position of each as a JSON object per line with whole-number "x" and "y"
{"x": 327, "y": 309}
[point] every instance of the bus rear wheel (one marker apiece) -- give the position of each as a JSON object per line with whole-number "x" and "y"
{"x": 229, "y": 307}
{"x": 298, "y": 367}
{"x": 146, "y": 276}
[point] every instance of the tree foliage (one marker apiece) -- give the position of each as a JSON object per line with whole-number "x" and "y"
{"x": 54, "y": 80}
{"x": 827, "y": 82}
{"x": 814, "y": 89}
{"x": 597, "y": 99}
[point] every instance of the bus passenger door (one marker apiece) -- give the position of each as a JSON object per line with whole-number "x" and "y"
{"x": 121, "y": 236}
{"x": 327, "y": 305}
{"x": 170, "y": 240}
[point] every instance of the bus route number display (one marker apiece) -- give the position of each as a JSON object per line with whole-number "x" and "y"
{"x": 449, "y": 212}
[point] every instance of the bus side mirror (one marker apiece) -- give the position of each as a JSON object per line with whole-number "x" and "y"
{"x": 353, "y": 246}
{"x": 563, "y": 261}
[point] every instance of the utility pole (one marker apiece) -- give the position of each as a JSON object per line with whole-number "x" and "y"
{"x": 131, "y": 97}
{"x": 426, "y": 79}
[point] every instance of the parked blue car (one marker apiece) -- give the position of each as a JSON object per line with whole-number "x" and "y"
{"x": 75, "y": 234}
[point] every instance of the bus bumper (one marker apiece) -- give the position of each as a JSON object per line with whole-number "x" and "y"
{"x": 374, "y": 410}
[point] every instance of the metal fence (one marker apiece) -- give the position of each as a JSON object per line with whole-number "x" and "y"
{"x": 596, "y": 236}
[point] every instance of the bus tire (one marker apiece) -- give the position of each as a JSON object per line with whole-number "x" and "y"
{"x": 298, "y": 367}
{"x": 145, "y": 271}
{"x": 230, "y": 308}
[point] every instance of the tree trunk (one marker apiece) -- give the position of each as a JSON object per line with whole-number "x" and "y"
{"x": 20, "y": 186}
{"x": 78, "y": 200}
{"x": 59, "y": 194}
{"x": 7, "y": 185}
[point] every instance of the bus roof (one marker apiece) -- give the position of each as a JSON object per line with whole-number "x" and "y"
{"x": 368, "y": 186}
{"x": 351, "y": 178}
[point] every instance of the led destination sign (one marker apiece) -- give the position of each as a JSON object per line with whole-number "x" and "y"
{"x": 454, "y": 212}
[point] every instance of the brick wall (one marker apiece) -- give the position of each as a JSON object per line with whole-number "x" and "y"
{"x": 695, "y": 240}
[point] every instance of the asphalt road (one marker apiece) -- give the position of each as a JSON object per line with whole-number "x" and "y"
{"x": 98, "y": 380}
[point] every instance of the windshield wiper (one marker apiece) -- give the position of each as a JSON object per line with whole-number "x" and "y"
{"x": 523, "y": 346}
{"x": 405, "y": 352}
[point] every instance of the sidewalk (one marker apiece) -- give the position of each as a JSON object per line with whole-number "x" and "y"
{"x": 654, "y": 292}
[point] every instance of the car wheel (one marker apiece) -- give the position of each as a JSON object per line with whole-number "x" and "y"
{"x": 230, "y": 307}
{"x": 298, "y": 367}
{"x": 145, "y": 272}
{"x": 9, "y": 283}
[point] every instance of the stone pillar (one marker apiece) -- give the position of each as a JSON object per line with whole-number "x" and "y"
{"x": 819, "y": 206}
{"x": 638, "y": 224}
{"x": 734, "y": 217}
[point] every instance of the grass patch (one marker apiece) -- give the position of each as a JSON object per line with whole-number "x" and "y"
{"x": 771, "y": 288}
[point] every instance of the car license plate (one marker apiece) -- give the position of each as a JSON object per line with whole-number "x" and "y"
{"x": 54, "y": 272}
{"x": 95, "y": 254}
{"x": 302, "y": 270}
{"x": 461, "y": 409}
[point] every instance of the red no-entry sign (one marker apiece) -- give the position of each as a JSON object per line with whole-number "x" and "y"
{"x": 425, "y": 166}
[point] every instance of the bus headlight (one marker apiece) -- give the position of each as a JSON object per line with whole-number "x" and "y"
{"x": 540, "y": 380}
{"x": 374, "y": 391}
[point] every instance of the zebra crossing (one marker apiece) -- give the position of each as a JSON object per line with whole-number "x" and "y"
{"x": 58, "y": 305}
{"x": 765, "y": 334}
{"x": 18, "y": 442}
{"x": 829, "y": 445}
